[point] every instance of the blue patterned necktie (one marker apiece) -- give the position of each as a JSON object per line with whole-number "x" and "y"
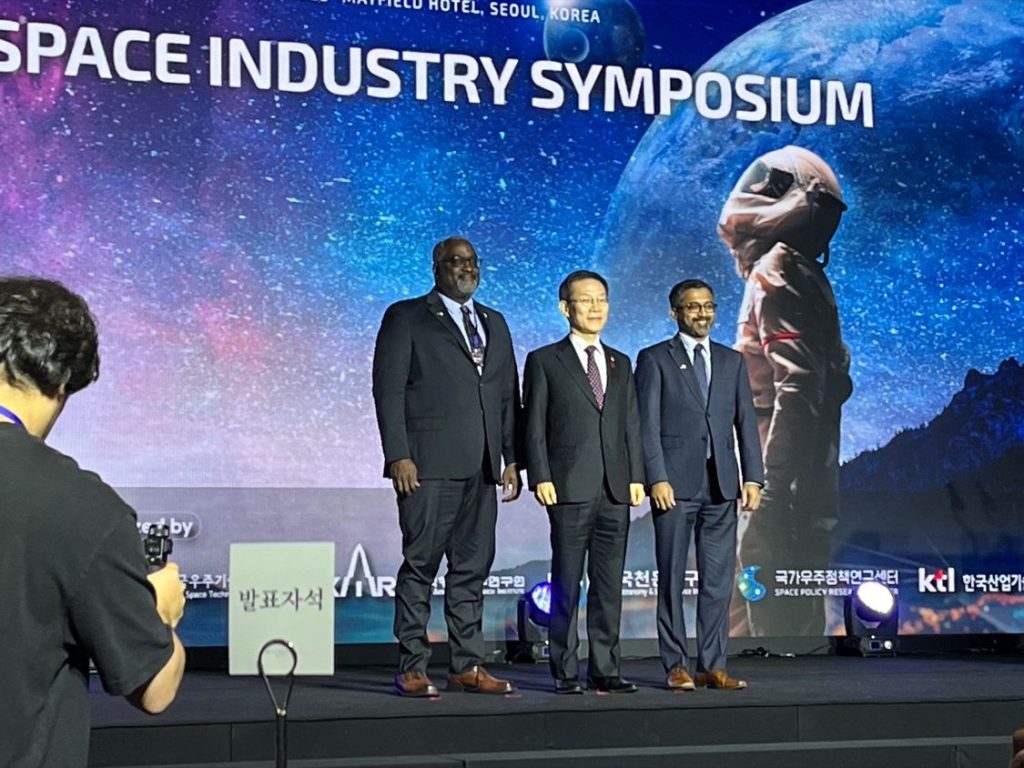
{"x": 476, "y": 344}
{"x": 701, "y": 369}
{"x": 594, "y": 376}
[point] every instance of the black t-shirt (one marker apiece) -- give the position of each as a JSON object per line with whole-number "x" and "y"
{"x": 72, "y": 587}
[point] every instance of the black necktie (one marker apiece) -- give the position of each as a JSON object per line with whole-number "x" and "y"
{"x": 701, "y": 369}
{"x": 476, "y": 344}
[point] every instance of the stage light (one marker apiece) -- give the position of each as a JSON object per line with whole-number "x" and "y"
{"x": 874, "y": 601}
{"x": 871, "y": 614}
{"x": 539, "y": 599}
{"x": 533, "y": 615}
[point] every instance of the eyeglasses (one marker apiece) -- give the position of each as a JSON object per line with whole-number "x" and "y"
{"x": 590, "y": 301}
{"x": 461, "y": 261}
{"x": 694, "y": 307}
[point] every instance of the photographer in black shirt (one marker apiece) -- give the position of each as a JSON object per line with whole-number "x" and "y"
{"x": 72, "y": 571}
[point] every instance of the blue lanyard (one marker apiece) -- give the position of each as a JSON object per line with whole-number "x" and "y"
{"x": 12, "y": 416}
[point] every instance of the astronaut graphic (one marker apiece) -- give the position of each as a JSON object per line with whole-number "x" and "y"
{"x": 778, "y": 221}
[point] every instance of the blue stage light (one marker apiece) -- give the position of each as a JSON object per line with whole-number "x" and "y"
{"x": 533, "y": 616}
{"x": 871, "y": 615}
{"x": 874, "y": 601}
{"x": 539, "y": 599}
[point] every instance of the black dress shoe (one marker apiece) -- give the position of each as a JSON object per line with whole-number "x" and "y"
{"x": 612, "y": 685}
{"x": 571, "y": 687}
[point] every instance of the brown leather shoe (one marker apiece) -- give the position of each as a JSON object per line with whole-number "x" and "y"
{"x": 415, "y": 684}
{"x": 679, "y": 680}
{"x": 479, "y": 680}
{"x": 719, "y": 678}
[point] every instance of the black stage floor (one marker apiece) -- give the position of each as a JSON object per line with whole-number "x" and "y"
{"x": 828, "y": 711}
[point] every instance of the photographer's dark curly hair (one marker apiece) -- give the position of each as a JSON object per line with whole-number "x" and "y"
{"x": 47, "y": 337}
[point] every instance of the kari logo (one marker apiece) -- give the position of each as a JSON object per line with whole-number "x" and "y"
{"x": 943, "y": 580}
{"x": 360, "y": 580}
{"x": 750, "y": 587}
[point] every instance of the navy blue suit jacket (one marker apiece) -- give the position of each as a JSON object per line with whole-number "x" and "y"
{"x": 676, "y": 425}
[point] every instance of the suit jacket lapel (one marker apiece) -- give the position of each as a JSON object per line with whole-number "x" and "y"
{"x": 677, "y": 351}
{"x": 440, "y": 313}
{"x": 483, "y": 317}
{"x": 615, "y": 378}
{"x": 716, "y": 366}
{"x": 567, "y": 354}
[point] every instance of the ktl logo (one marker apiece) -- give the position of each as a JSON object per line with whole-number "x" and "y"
{"x": 943, "y": 580}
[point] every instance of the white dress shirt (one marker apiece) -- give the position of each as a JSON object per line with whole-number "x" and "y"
{"x": 691, "y": 343}
{"x": 581, "y": 352}
{"x": 455, "y": 311}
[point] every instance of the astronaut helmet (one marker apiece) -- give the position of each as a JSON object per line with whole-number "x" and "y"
{"x": 788, "y": 195}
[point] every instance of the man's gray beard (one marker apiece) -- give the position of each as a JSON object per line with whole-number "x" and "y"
{"x": 467, "y": 285}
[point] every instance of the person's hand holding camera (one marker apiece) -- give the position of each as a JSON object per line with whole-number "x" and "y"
{"x": 170, "y": 594}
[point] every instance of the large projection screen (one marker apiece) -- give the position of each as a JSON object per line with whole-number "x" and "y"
{"x": 240, "y": 189}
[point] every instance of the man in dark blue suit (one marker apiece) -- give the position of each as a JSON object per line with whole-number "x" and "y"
{"x": 446, "y": 390}
{"x": 585, "y": 465}
{"x": 695, "y": 410}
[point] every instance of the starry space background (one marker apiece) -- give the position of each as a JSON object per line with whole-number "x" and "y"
{"x": 926, "y": 262}
{"x": 239, "y": 246}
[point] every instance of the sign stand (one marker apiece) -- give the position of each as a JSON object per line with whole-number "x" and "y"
{"x": 280, "y": 709}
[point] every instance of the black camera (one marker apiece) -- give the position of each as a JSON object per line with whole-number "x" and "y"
{"x": 157, "y": 545}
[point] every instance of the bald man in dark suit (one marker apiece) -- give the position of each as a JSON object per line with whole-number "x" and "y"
{"x": 446, "y": 390}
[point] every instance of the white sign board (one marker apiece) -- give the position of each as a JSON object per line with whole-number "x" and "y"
{"x": 281, "y": 591}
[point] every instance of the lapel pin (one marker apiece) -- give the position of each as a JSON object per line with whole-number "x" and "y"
{"x": 682, "y": 366}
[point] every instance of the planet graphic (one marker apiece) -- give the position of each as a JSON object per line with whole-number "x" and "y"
{"x": 926, "y": 262}
{"x": 587, "y": 32}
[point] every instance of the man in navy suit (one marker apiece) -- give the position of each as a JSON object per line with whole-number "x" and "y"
{"x": 695, "y": 410}
{"x": 585, "y": 464}
{"x": 446, "y": 388}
